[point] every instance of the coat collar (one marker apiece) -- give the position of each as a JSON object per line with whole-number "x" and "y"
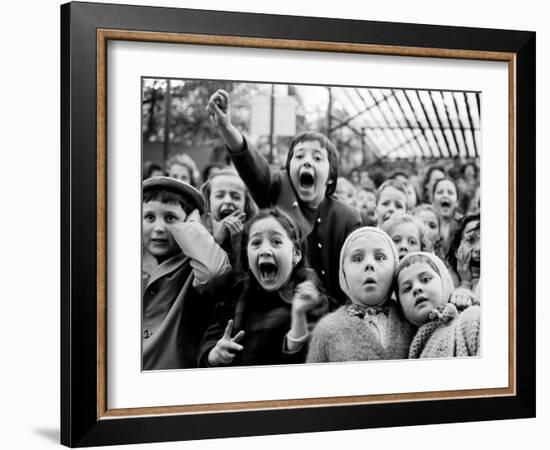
{"x": 166, "y": 267}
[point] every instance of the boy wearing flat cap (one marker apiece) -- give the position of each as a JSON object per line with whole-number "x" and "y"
{"x": 180, "y": 258}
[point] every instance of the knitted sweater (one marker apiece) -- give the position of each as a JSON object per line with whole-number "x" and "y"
{"x": 452, "y": 334}
{"x": 341, "y": 337}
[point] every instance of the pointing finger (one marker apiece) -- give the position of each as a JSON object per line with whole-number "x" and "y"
{"x": 228, "y": 329}
{"x": 238, "y": 336}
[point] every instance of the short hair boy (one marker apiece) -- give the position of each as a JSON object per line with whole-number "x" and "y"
{"x": 303, "y": 189}
{"x": 180, "y": 258}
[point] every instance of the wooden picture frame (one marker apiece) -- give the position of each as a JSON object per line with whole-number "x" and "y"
{"x": 86, "y": 418}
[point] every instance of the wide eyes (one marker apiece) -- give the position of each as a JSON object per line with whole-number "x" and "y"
{"x": 360, "y": 258}
{"x": 380, "y": 257}
{"x": 254, "y": 243}
{"x": 170, "y": 218}
{"x": 149, "y": 217}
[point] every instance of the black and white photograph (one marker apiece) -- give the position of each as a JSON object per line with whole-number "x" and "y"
{"x": 296, "y": 223}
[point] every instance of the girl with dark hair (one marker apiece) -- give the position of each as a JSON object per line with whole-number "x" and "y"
{"x": 271, "y": 303}
{"x": 446, "y": 203}
{"x": 433, "y": 174}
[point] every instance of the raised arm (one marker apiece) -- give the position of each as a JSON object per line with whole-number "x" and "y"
{"x": 262, "y": 182}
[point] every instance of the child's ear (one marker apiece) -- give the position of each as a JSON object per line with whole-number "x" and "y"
{"x": 296, "y": 256}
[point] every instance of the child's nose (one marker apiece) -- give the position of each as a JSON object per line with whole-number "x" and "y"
{"x": 369, "y": 264}
{"x": 265, "y": 249}
{"x": 417, "y": 289}
{"x": 159, "y": 225}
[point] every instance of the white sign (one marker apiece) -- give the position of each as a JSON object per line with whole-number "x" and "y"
{"x": 285, "y": 116}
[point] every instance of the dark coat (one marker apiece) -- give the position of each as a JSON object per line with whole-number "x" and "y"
{"x": 175, "y": 314}
{"x": 264, "y": 316}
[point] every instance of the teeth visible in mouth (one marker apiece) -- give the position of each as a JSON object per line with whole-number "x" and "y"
{"x": 306, "y": 180}
{"x": 268, "y": 270}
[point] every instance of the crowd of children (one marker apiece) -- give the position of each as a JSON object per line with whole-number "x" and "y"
{"x": 266, "y": 265}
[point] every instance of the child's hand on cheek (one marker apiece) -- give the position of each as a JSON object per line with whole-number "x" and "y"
{"x": 194, "y": 216}
{"x": 306, "y": 297}
{"x": 226, "y": 348}
{"x": 463, "y": 258}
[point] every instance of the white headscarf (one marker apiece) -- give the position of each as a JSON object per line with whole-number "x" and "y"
{"x": 361, "y": 232}
{"x": 446, "y": 280}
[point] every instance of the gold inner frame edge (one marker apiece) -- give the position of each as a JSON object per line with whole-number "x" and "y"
{"x": 103, "y": 36}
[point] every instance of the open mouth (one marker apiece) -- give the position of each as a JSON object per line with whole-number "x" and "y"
{"x": 268, "y": 271}
{"x": 474, "y": 266}
{"x": 224, "y": 212}
{"x": 445, "y": 204}
{"x": 370, "y": 281}
{"x": 420, "y": 300}
{"x": 306, "y": 180}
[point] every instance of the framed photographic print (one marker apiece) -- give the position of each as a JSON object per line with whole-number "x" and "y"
{"x": 274, "y": 224}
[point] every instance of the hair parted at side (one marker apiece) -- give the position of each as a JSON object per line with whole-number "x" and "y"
{"x": 332, "y": 154}
{"x": 449, "y": 179}
{"x": 250, "y": 207}
{"x": 396, "y": 184}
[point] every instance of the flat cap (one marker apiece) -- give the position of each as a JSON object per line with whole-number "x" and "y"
{"x": 177, "y": 187}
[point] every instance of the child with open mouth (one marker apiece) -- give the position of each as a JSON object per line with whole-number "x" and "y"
{"x": 228, "y": 206}
{"x": 370, "y": 326}
{"x": 272, "y": 303}
{"x": 424, "y": 290}
{"x": 304, "y": 189}
{"x": 445, "y": 201}
{"x": 391, "y": 197}
{"x": 464, "y": 258}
